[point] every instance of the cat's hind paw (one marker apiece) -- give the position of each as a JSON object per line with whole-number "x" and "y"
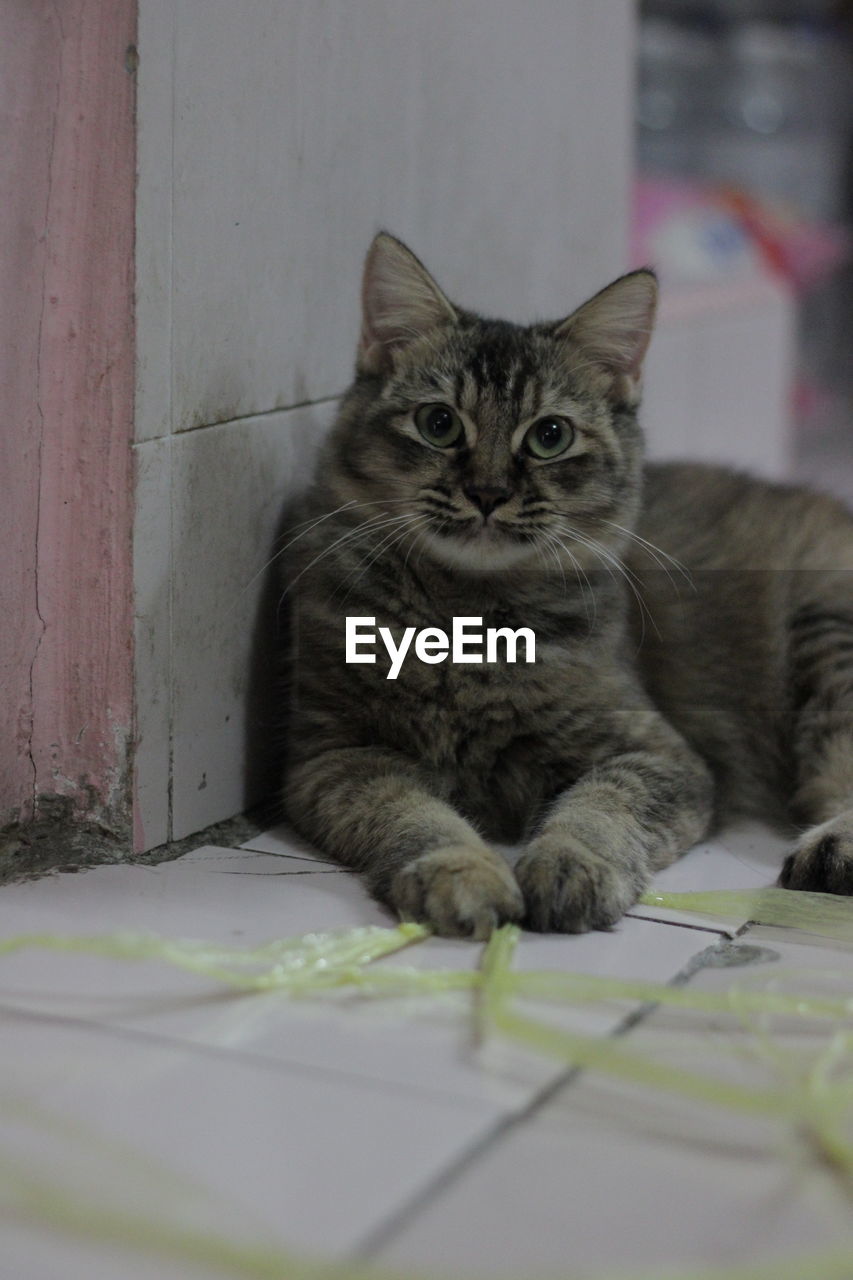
{"x": 569, "y": 889}
{"x": 458, "y": 891}
{"x": 823, "y": 859}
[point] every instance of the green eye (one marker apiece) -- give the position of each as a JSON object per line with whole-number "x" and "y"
{"x": 439, "y": 425}
{"x": 549, "y": 437}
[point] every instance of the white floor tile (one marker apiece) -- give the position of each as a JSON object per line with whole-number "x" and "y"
{"x": 595, "y": 1184}
{"x": 247, "y": 897}
{"x": 608, "y": 1176}
{"x": 287, "y": 844}
{"x": 745, "y": 856}
{"x": 40, "y": 1254}
{"x": 427, "y": 1043}
{"x": 303, "y": 1161}
{"x": 232, "y": 895}
{"x": 225, "y": 896}
{"x": 281, "y": 1109}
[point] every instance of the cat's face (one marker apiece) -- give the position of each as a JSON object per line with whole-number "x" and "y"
{"x": 488, "y": 444}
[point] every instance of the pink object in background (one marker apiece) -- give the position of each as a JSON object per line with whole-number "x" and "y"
{"x": 67, "y": 102}
{"x": 709, "y": 234}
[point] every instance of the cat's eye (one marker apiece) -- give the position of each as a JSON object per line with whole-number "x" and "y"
{"x": 549, "y": 437}
{"x": 439, "y": 425}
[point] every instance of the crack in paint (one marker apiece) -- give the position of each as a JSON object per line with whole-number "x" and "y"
{"x": 58, "y": 15}
{"x": 40, "y": 412}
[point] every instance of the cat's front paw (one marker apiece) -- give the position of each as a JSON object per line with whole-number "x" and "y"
{"x": 569, "y": 889}
{"x": 457, "y": 891}
{"x": 823, "y": 859}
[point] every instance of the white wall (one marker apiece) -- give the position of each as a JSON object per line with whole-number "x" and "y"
{"x": 274, "y": 139}
{"x": 719, "y": 373}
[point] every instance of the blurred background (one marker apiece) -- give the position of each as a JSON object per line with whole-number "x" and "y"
{"x": 744, "y": 163}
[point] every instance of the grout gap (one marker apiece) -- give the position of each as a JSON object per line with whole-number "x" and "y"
{"x": 258, "y": 413}
{"x": 386, "y": 1232}
{"x": 203, "y": 1049}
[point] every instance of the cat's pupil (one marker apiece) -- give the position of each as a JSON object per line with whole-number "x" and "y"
{"x": 440, "y": 422}
{"x": 549, "y": 433}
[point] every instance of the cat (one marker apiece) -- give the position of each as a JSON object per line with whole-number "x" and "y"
{"x": 694, "y": 627}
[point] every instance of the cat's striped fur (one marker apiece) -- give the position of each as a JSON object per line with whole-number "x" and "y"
{"x": 660, "y": 696}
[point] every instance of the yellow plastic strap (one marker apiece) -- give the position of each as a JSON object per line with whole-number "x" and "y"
{"x": 816, "y": 1102}
{"x": 825, "y": 914}
{"x": 315, "y": 959}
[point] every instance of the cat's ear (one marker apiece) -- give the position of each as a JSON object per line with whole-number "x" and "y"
{"x": 614, "y": 328}
{"x": 400, "y": 303}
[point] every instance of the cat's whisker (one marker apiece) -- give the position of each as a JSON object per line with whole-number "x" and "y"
{"x": 580, "y": 573}
{"x": 311, "y": 524}
{"x": 604, "y": 553}
{"x": 436, "y": 526}
{"x": 422, "y": 536}
{"x": 550, "y": 547}
{"x": 635, "y": 586}
{"x": 634, "y": 576}
{"x": 411, "y": 529}
{"x": 349, "y": 535}
{"x": 616, "y": 564}
{"x": 551, "y": 544}
{"x": 412, "y": 546}
{"x": 364, "y": 534}
{"x": 536, "y": 544}
{"x": 307, "y": 526}
{"x": 657, "y": 553}
{"x": 610, "y": 563}
{"x": 587, "y": 595}
{"x": 409, "y": 524}
{"x": 352, "y": 505}
{"x": 388, "y": 541}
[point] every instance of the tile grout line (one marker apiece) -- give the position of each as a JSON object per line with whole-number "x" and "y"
{"x": 682, "y": 924}
{"x": 379, "y": 1237}
{"x": 199, "y": 1048}
{"x": 171, "y": 697}
{"x": 242, "y": 417}
{"x": 384, "y": 1234}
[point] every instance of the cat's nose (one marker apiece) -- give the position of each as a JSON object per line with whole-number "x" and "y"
{"x": 487, "y": 496}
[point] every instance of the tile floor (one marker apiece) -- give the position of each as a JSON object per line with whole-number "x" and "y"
{"x": 381, "y": 1131}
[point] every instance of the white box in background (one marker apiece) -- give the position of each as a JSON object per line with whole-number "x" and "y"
{"x": 719, "y": 376}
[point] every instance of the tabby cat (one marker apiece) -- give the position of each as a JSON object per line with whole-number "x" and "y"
{"x": 694, "y": 627}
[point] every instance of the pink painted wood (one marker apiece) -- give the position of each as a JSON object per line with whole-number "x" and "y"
{"x": 67, "y": 174}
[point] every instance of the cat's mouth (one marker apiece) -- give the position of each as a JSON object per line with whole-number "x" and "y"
{"x": 485, "y": 528}
{"x": 480, "y": 544}
{"x": 481, "y": 531}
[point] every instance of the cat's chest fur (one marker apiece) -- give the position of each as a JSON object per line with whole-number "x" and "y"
{"x": 495, "y": 736}
{"x": 488, "y": 732}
